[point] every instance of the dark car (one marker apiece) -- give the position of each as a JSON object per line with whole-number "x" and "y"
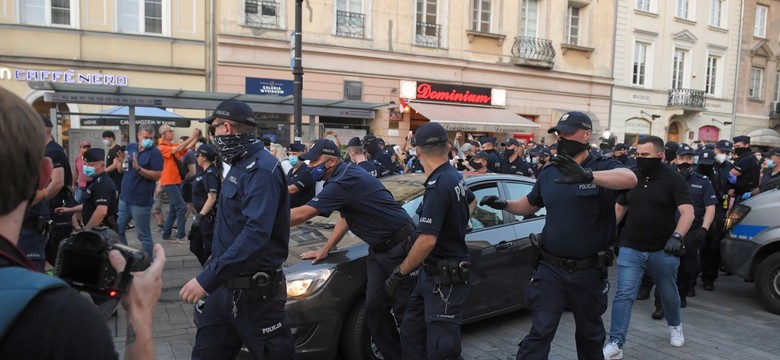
{"x": 325, "y": 301}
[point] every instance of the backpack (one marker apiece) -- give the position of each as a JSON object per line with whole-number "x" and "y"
{"x": 18, "y": 286}
{"x": 182, "y": 165}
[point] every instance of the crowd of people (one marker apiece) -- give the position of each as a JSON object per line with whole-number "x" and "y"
{"x": 655, "y": 208}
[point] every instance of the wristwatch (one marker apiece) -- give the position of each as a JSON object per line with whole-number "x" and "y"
{"x": 677, "y": 235}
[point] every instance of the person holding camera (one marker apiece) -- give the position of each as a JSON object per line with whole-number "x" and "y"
{"x": 74, "y": 328}
{"x": 101, "y": 199}
{"x": 244, "y": 279}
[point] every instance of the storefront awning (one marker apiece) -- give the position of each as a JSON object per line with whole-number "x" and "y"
{"x": 474, "y": 119}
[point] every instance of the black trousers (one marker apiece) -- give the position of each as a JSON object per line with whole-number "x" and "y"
{"x": 710, "y": 254}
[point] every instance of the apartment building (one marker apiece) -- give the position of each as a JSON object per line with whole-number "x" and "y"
{"x": 506, "y": 68}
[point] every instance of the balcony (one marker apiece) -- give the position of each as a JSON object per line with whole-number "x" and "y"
{"x": 351, "y": 25}
{"x": 687, "y": 99}
{"x": 531, "y": 51}
{"x": 428, "y": 35}
{"x": 262, "y": 14}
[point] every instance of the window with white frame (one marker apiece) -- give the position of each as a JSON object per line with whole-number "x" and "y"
{"x": 350, "y": 18}
{"x": 756, "y": 78}
{"x": 529, "y": 17}
{"x": 639, "y": 73}
{"x": 263, "y": 14}
{"x": 678, "y": 68}
{"x": 574, "y": 22}
{"x": 427, "y": 29}
{"x": 143, "y": 16}
{"x": 682, "y": 9}
{"x": 711, "y": 79}
{"x": 48, "y": 12}
{"x": 777, "y": 86}
{"x": 482, "y": 15}
{"x": 643, "y": 5}
{"x": 759, "y": 28}
{"x": 716, "y": 12}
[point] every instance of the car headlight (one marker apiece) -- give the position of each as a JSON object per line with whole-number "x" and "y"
{"x": 306, "y": 283}
{"x": 737, "y": 213}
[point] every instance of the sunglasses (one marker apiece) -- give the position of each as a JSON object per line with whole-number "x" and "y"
{"x": 213, "y": 128}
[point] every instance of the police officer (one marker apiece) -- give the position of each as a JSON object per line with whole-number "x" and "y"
{"x": 205, "y": 191}
{"x": 771, "y": 178}
{"x": 380, "y": 159}
{"x": 357, "y": 155}
{"x": 513, "y": 161}
{"x": 101, "y": 202}
{"x": 301, "y": 185}
{"x": 58, "y": 193}
{"x": 431, "y": 325}
{"x": 244, "y": 279}
{"x": 489, "y": 146}
{"x": 746, "y": 168}
{"x": 703, "y": 200}
{"x": 367, "y": 209}
{"x": 540, "y": 158}
{"x": 35, "y": 226}
{"x": 480, "y": 163}
{"x": 579, "y": 192}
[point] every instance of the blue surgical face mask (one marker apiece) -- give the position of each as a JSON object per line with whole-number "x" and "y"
{"x": 293, "y": 160}
{"x": 88, "y": 171}
{"x": 769, "y": 164}
{"x": 318, "y": 172}
{"x": 147, "y": 143}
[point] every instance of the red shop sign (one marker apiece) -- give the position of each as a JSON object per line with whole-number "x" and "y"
{"x": 454, "y": 93}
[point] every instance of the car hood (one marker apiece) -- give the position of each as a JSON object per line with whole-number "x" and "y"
{"x": 311, "y": 237}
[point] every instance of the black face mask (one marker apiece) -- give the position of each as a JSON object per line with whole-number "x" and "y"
{"x": 229, "y": 146}
{"x": 490, "y": 151}
{"x": 704, "y": 169}
{"x": 508, "y": 152}
{"x": 475, "y": 165}
{"x": 648, "y": 166}
{"x": 571, "y": 147}
{"x": 741, "y": 151}
{"x": 685, "y": 169}
{"x": 622, "y": 158}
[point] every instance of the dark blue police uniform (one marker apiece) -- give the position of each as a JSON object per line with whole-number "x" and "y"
{"x": 205, "y": 182}
{"x": 750, "y": 170}
{"x": 769, "y": 181}
{"x": 35, "y": 231}
{"x": 372, "y": 214}
{"x": 369, "y": 167}
{"x": 244, "y": 280}
{"x": 718, "y": 175}
{"x": 431, "y": 326}
{"x": 517, "y": 167}
{"x": 494, "y": 161}
{"x": 101, "y": 191}
{"x": 61, "y": 225}
{"x": 302, "y": 179}
{"x": 580, "y": 224}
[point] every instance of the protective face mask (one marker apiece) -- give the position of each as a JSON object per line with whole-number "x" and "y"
{"x": 720, "y": 158}
{"x": 229, "y": 146}
{"x": 147, "y": 143}
{"x": 741, "y": 151}
{"x": 769, "y": 164}
{"x": 648, "y": 166}
{"x": 571, "y": 147}
{"x": 534, "y": 160}
{"x": 293, "y": 160}
{"x": 685, "y": 169}
{"x": 508, "y": 152}
{"x": 759, "y": 157}
{"x": 412, "y": 152}
{"x": 106, "y": 142}
{"x": 88, "y": 171}
{"x": 318, "y": 172}
{"x": 475, "y": 165}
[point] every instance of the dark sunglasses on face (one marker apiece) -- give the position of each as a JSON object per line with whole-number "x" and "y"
{"x": 213, "y": 128}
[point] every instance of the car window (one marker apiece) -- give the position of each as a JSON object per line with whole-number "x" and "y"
{"x": 518, "y": 190}
{"x": 485, "y": 216}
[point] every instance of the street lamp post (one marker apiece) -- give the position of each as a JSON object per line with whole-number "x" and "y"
{"x": 298, "y": 73}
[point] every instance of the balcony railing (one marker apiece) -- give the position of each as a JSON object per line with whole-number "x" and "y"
{"x": 349, "y": 24}
{"x": 262, "y": 14}
{"x": 427, "y": 34}
{"x": 687, "y": 99}
{"x": 531, "y": 51}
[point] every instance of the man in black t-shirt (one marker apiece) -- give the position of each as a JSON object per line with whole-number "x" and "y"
{"x": 58, "y": 193}
{"x": 746, "y": 168}
{"x": 113, "y": 165}
{"x": 651, "y": 241}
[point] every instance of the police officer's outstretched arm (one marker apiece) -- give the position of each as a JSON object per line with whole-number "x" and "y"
{"x": 518, "y": 207}
{"x": 139, "y": 303}
{"x": 335, "y": 236}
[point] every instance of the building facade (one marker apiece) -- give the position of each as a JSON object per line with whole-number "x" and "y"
{"x": 531, "y": 59}
{"x": 675, "y": 69}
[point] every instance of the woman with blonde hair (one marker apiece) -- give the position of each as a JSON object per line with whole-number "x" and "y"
{"x": 281, "y": 154}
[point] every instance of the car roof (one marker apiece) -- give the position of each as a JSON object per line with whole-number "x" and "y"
{"x": 469, "y": 177}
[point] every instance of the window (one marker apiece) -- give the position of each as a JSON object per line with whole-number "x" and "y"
{"x": 427, "y": 31}
{"x": 48, "y": 12}
{"x": 353, "y": 90}
{"x": 682, "y": 9}
{"x": 715, "y": 12}
{"x": 640, "y": 64}
{"x": 485, "y": 216}
{"x": 573, "y": 26}
{"x": 777, "y": 86}
{"x": 528, "y": 17}
{"x": 481, "y": 15}
{"x": 519, "y": 190}
{"x": 678, "y": 68}
{"x": 760, "y": 26}
{"x": 643, "y": 5}
{"x": 711, "y": 81}
{"x": 756, "y": 77}
{"x": 143, "y": 16}
{"x": 350, "y": 19}
{"x": 263, "y": 14}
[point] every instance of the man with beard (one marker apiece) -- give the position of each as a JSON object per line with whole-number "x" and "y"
{"x": 746, "y": 168}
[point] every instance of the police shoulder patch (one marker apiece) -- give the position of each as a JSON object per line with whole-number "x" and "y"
{"x": 431, "y": 184}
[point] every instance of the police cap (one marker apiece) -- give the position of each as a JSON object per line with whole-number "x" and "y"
{"x": 742, "y": 138}
{"x": 94, "y": 154}
{"x": 572, "y": 121}
{"x": 685, "y": 149}
{"x": 429, "y": 134}
{"x": 355, "y": 141}
{"x": 725, "y": 145}
{"x": 321, "y": 147}
{"x": 706, "y": 157}
{"x": 234, "y": 110}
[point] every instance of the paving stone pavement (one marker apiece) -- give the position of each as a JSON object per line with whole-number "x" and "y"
{"x": 728, "y": 323}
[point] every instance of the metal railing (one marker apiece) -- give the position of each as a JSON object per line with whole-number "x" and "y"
{"x": 533, "y": 51}
{"x": 427, "y": 34}
{"x": 349, "y": 24}
{"x": 262, "y": 14}
{"x": 687, "y": 99}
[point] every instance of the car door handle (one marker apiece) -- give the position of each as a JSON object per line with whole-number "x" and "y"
{"x": 504, "y": 245}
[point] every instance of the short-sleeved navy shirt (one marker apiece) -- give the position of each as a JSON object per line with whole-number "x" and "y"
{"x": 368, "y": 207}
{"x": 652, "y": 205}
{"x": 383, "y": 163}
{"x": 494, "y": 161}
{"x": 517, "y": 167}
{"x": 369, "y": 167}
{"x": 252, "y": 230}
{"x": 205, "y": 182}
{"x": 580, "y": 217}
{"x": 59, "y": 160}
{"x": 750, "y": 170}
{"x": 702, "y": 195}
{"x": 768, "y": 177}
{"x": 302, "y": 179}
{"x": 444, "y": 212}
{"x": 136, "y": 189}
{"x": 100, "y": 191}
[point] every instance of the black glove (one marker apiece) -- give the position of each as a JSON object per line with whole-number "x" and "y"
{"x": 675, "y": 246}
{"x": 493, "y": 201}
{"x": 196, "y": 221}
{"x": 701, "y": 235}
{"x": 395, "y": 279}
{"x": 573, "y": 172}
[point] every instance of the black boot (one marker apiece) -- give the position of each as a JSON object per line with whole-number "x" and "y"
{"x": 658, "y": 313}
{"x": 708, "y": 286}
{"x": 644, "y": 294}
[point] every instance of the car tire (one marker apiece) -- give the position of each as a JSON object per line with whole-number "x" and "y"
{"x": 356, "y": 343}
{"x": 768, "y": 282}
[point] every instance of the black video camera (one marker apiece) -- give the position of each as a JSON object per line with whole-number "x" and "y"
{"x": 82, "y": 262}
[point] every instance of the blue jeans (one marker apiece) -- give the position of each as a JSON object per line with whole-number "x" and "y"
{"x": 142, "y": 215}
{"x": 632, "y": 264}
{"x": 177, "y": 211}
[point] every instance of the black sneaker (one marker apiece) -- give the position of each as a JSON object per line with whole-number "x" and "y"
{"x": 691, "y": 292}
{"x": 658, "y": 314}
{"x": 643, "y": 294}
{"x": 708, "y": 286}
{"x": 683, "y": 302}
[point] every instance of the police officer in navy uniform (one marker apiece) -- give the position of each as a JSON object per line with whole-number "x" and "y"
{"x": 513, "y": 161}
{"x": 746, "y": 167}
{"x": 369, "y": 210}
{"x": 244, "y": 279}
{"x": 205, "y": 192}
{"x": 431, "y": 325}
{"x": 301, "y": 185}
{"x": 719, "y": 173}
{"x": 489, "y": 146}
{"x": 579, "y": 192}
{"x": 380, "y": 159}
{"x": 58, "y": 193}
{"x": 357, "y": 155}
{"x": 101, "y": 202}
